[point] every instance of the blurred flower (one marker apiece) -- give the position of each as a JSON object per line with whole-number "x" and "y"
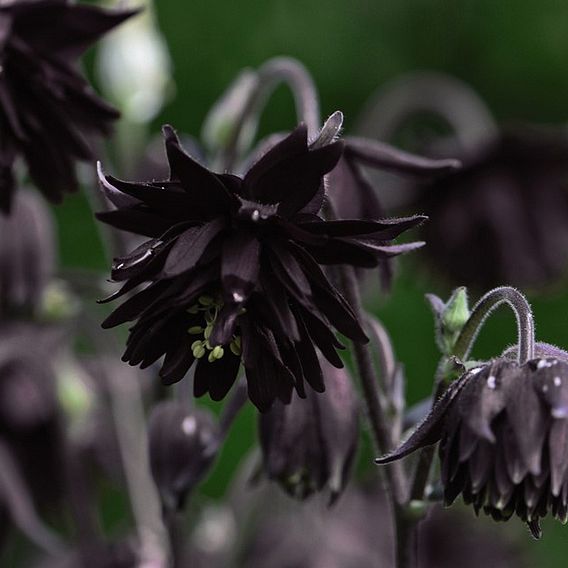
{"x": 502, "y": 429}
{"x": 234, "y": 266}
{"x": 502, "y": 218}
{"x": 353, "y": 195}
{"x": 47, "y": 109}
{"x": 310, "y": 444}
{"x": 183, "y": 444}
{"x": 27, "y": 254}
{"x": 29, "y": 416}
{"x": 276, "y": 532}
{"x": 135, "y": 67}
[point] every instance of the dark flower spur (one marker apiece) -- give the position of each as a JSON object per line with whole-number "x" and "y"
{"x": 234, "y": 270}
{"x": 503, "y": 433}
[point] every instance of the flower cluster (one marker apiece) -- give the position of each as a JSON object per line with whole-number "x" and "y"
{"x": 47, "y": 109}
{"x": 234, "y": 266}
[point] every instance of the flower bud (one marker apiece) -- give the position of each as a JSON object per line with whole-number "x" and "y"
{"x": 135, "y": 68}
{"x": 310, "y": 444}
{"x": 450, "y": 317}
{"x": 183, "y": 444}
{"x": 27, "y": 254}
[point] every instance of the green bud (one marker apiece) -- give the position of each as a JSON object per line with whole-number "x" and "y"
{"x": 456, "y": 312}
{"x": 450, "y": 318}
{"x": 195, "y": 330}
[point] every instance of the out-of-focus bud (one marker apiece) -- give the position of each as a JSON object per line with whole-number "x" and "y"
{"x": 183, "y": 444}
{"x": 29, "y": 415}
{"x": 134, "y": 67}
{"x": 27, "y": 253}
{"x": 309, "y": 444}
{"x": 224, "y": 116}
{"x": 450, "y": 317}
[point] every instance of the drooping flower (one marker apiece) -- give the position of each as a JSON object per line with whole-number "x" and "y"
{"x": 183, "y": 443}
{"x": 310, "y": 444}
{"x": 234, "y": 266}
{"x": 354, "y": 195}
{"x": 30, "y": 421}
{"x": 47, "y": 108}
{"x": 503, "y": 433}
{"x": 503, "y": 216}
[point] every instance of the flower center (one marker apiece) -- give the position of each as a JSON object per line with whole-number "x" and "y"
{"x": 209, "y": 307}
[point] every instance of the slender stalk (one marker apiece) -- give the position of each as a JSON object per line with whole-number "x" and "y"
{"x": 127, "y": 410}
{"x": 270, "y": 75}
{"x": 380, "y": 428}
{"x": 483, "y": 309}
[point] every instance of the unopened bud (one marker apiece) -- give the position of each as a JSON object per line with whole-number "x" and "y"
{"x": 183, "y": 444}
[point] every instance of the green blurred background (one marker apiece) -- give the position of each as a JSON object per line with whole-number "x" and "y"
{"x": 513, "y": 52}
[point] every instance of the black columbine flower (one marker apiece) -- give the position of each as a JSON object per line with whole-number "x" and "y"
{"x": 234, "y": 266}
{"x": 503, "y": 216}
{"x": 46, "y": 107}
{"x": 503, "y": 432}
{"x": 310, "y": 444}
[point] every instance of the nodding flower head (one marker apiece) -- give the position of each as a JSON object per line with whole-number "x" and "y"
{"x": 502, "y": 429}
{"x": 234, "y": 269}
{"x": 47, "y": 109}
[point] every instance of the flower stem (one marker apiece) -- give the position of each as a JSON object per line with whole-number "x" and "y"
{"x": 481, "y": 311}
{"x": 270, "y": 75}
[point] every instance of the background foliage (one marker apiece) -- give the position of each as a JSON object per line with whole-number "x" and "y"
{"x": 513, "y": 52}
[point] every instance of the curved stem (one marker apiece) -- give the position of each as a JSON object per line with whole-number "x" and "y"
{"x": 270, "y": 75}
{"x": 481, "y": 311}
{"x": 451, "y": 99}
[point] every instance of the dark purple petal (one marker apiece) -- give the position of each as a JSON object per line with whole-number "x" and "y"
{"x": 217, "y": 377}
{"x": 381, "y": 155}
{"x": 207, "y": 194}
{"x": 429, "y": 431}
{"x": 289, "y": 174}
{"x": 189, "y": 247}
{"x": 73, "y": 27}
{"x": 240, "y": 265}
{"x": 137, "y": 220}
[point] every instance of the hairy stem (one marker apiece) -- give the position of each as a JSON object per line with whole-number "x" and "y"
{"x": 481, "y": 311}
{"x": 379, "y": 425}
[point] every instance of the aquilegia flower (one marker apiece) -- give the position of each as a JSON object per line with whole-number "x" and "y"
{"x": 234, "y": 266}
{"x": 47, "y": 109}
{"x": 502, "y": 429}
{"x": 310, "y": 444}
{"x": 503, "y": 216}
